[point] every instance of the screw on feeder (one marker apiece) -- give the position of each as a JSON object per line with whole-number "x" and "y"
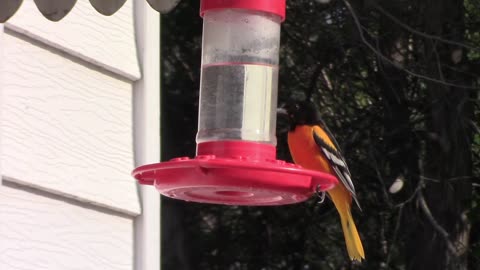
{"x": 236, "y": 157}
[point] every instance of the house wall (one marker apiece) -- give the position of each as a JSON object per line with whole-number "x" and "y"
{"x": 67, "y": 200}
{"x": 44, "y": 231}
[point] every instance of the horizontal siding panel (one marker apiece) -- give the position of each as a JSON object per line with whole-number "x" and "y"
{"x": 67, "y": 127}
{"x": 38, "y": 232}
{"x": 108, "y": 42}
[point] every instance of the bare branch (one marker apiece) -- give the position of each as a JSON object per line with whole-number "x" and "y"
{"x": 414, "y": 194}
{"x": 434, "y": 223}
{"x": 383, "y": 57}
{"x": 395, "y": 234}
{"x": 425, "y": 35}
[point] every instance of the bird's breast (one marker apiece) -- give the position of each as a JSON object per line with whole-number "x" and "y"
{"x": 305, "y": 151}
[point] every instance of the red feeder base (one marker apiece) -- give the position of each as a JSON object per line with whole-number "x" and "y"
{"x": 234, "y": 173}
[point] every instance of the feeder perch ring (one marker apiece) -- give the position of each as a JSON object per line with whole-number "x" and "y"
{"x": 234, "y": 181}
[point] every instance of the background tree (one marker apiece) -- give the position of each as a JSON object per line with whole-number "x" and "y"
{"x": 397, "y": 82}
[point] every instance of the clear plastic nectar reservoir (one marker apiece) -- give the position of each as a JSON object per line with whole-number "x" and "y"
{"x": 239, "y": 76}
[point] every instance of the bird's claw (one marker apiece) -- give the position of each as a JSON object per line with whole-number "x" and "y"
{"x": 320, "y": 194}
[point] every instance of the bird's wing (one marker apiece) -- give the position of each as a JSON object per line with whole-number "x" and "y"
{"x": 329, "y": 148}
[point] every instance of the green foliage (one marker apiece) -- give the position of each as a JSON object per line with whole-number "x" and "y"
{"x": 377, "y": 109}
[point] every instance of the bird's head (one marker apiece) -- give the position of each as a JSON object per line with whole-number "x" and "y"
{"x": 299, "y": 113}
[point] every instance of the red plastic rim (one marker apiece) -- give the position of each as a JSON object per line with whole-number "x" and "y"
{"x": 237, "y": 149}
{"x": 271, "y": 6}
{"x": 233, "y": 179}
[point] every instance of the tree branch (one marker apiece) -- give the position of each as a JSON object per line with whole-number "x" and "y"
{"x": 434, "y": 223}
{"x": 383, "y": 57}
{"x": 425, "y": 35}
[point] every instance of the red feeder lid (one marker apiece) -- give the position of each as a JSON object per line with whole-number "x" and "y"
{"x": 271, "y": 6}
{"x": 222, "y": 177}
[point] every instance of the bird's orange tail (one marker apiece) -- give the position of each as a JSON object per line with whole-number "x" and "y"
{"x": 352, "y": 239}
{"x": 342, "y": 200}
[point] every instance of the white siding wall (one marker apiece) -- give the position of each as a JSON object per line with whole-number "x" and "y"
{"x": 147, "y": 134}
{"x": 40, "y": 231}
{"x": 67, "y": 200}
{"x": 105, "y": 41}
{"x": 67, "y": 126}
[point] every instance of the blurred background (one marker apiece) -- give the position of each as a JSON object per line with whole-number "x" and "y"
{"x": 398, "y": 84}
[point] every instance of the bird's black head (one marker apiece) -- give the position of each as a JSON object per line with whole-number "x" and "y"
{"x": 300, "y": 113}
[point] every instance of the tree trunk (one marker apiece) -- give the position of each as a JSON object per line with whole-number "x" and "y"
{"x": 400, "y": 142}
{"x": 442, "y": 232}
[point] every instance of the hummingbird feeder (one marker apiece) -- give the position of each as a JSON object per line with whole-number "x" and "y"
{"x": 236, "y": 156}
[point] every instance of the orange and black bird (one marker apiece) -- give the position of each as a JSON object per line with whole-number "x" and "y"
{"x": 313, "y": 147}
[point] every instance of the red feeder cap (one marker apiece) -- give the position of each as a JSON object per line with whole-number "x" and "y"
{"x": 276, "y": 7}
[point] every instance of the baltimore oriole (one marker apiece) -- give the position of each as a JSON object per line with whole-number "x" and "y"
{"x": 313, "y": 147}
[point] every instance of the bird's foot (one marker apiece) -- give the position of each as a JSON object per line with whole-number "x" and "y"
{"x": 320, "y": 194}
